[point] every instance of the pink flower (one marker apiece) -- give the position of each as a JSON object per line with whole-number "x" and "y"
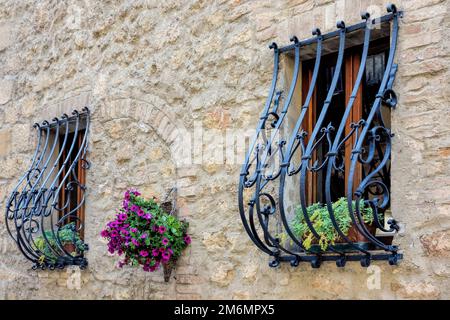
{"x": 143, "y": 236}
{"x": 143, "y": 253}
{"x": 135, "y": 208}
{"x": 104, "y": 233}
{"x": 134, "y": 230}
{"x": 162, "y": 229}
{"x": 140, "y": 212}
{"x": 113, "y": 224}
{"x": 122, "y": 217}
{"x": 148, "y": 216}
{"x": 165, "y": 241}
{"x": 187, "y": 239}
{"x": 135, "y": 242}
{"x": 165, "y": 256}
{"x": 155, "y": 252}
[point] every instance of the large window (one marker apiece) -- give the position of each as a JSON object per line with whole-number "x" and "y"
{"x": 315, "y": 185}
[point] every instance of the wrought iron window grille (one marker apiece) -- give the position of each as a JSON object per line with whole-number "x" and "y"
{"x": 270, "y": 159}
{"x": 45, "y": 211}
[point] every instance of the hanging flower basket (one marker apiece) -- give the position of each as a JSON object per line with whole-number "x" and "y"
{"x": 147, "y": 234}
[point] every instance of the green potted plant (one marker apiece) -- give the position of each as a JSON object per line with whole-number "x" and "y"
{"x": 68, "y": 236}
{"x": 320, "y": 219}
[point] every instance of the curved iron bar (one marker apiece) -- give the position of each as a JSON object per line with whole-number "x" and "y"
{"x": 28, "y": 212}
{"x": 338, "y": 143}
{"x": 20, "y": 217}
{"x": 297, "y": 140}
{"x": 312, "y": 144}
{"x": 15, "y": 193}
{"x": 262, "y": 180}
{"x": 357, "y": 150}
{"x": 246, "y": 179}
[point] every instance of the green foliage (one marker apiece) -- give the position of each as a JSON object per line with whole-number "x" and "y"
{"x": 67, "y": 235}
{"x": 176, "y": 229}
{"x": 320, "y": 218}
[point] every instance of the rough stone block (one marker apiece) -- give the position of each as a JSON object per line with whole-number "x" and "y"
{"x": 5, "y": 142}
{"x": 437, "y": 244}
{"x": 6, "y": 89}
{"x": 5, "y": 36}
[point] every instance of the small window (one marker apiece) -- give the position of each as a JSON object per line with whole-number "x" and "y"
{"x": 45, "y": 212}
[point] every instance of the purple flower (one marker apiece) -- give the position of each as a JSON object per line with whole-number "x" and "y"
{"x": 143, "y": 253}
{"x": 122, "y": 217}
{"x": 114, "y": 224}
{"x": 155, "y": 252}
{"x": 114, "y": 233}
{"x": 124, "y": 232}
{"x": 135, "y": 208}
{"x": 187, "y": 239}
{"x": 154, "y": 267}
{"x": 166, "y": 256}
{"x": 143, "y": 236}
{"x": 148, "y": 216}
{"x": 165, "y": 241}
{"x": 127, "y": 195}
{"x": 134, "y": 230}
{"x": 104, "y": 233}
{"x": 135, "y": 192}
{"x": 162, "y": 229}
{"x": 140, "y": 212}
{"x": 135, "y": 242}
{"x": 125, "y": 204}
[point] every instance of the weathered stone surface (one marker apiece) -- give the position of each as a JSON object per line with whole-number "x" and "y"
{"x": 437, "y": 244}
{"x": 5, "y": 142}
{"x": 416, "y": 290}
{"x": 6, "y": 36}
{"x": 151, "y": 73}
{"x": 223, "y": 274}
{"x": 6, "y": 87}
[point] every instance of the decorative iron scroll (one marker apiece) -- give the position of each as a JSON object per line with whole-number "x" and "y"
{"x": 42, "y": 215}
{"x": 270, "y": 159}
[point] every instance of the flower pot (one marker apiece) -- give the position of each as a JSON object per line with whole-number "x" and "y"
{"x": 353, "y": 235}
{"x": 70, "y": 247}
{"x": 168, "y": 267}
{"x": 166, "y": 206}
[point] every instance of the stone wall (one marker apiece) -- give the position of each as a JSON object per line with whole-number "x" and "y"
{"x": 152, "y": 71}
